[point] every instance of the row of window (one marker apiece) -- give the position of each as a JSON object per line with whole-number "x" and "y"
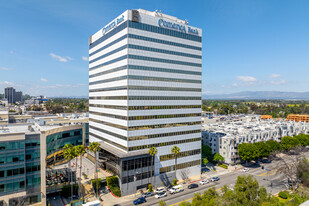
{"x": 146, "y": 107}
{"x": 109, "y": 71}
{"x": 162, "y": 144}
{"x": 34, "y": 167}
{"x": 146, "y": 78}
{"x": 138, "y": 176}
{"x": 109, "y": 34}
{"x": 62, "y": 135}
{"x": 160, "y": 41}
{"x": 108, "y": 45}
{"x": 144, "y": 68}
{"x": 109, "y": 62}
{"x": 108, "y": 132}
{"x": 164, "y": 116}
{"x": 163, "y": 51}
{"x": 144, "y": 98}
{"x": 32, "y": 143}
{"x": 146, "y": 88}
{"x": 158, "y": 69}
{"x": 16, "y": 145}
{"x": 163, "y": 135}
{"x": 15, "y": 185}
{"x": 168, "y": 61}
{"x": 12, "y": 172}
{"x": 179, "y": 166}
{"x": 180, "y": 154}
{"x": 109, "y": 53}
{"x": 8, "y": 158}
{"x": 108, "y": 141}
{"x": 136, "y": 163}
{"x": 143, "y": 127}
{"x": 160, "y": 30}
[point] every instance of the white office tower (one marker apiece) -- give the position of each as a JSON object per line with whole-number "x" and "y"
{"x": 145, "y": 73}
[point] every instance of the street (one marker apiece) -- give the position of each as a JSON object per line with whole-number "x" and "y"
{"x": 267, "y": 177}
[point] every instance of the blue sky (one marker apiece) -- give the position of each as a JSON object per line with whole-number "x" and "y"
{"x": 248, "y": 45}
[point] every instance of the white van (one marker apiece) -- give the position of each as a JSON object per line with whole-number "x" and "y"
{"x": 175, "y": 189}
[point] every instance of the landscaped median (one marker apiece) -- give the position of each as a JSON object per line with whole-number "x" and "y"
{"x": 112, "y": 184}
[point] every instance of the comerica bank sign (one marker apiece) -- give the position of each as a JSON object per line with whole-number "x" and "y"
{"x": 178, "y": 27}
{"x": 113, "y": 24}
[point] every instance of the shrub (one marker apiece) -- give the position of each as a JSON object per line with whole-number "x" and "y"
{"x": 283, "y": 195}
{"x": 223, "y": 166}
{"x": 95, "y": 182}
{"x": 174, "y": 182}
{"x": 150, "y": 188}
{"x": 112, "y": 183}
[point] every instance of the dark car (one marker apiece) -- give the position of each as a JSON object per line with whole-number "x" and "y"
{"x": 191, "y": 186}
{"x": 139, "y": 201}
{"x": 266, "y": 161}
{"x": 147, "y": 194}
{"x": 213, "y": 179}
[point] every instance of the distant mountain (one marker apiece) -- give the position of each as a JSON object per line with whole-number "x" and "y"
{"x": 261, "y": 95}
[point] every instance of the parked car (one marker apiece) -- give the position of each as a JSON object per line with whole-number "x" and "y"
{"x": 191, "y": 186}
{"x": 245, "y": 170}
{"x": 213, "y": 179}
{"x": 266, "y": 161}
{"x": 160, "y": 195}
{"x": 148, "y": 194}
{"x": 159, "y": 189}
{"x": 203, "y": 182}
{"x": 175, "y": 189}
{"x": 139, "y": 201}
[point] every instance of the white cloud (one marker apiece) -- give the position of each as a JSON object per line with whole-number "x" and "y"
{"x": 84, "y": 58}
{"x": 59, "y": 58}
{"x": 5, "y": 68}
{"x": 234, "y": 85}
{"x": 6, "y": 83}
{"x": 246, "y": 79}
{"x": 11, "y": 52}
{"x": 273, "y": 76}
{"x": 44, "y": 80}
{"x": 279, "y": 82}
{"x": 69, "y": 58}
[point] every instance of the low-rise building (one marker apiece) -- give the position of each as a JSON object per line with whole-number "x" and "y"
{"x": 224, "y": 137}
{"x": 27, "y": 153}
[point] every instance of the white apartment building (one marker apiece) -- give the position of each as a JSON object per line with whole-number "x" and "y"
{"x": 224, "y": 137}
{"x": 145, "y": 73}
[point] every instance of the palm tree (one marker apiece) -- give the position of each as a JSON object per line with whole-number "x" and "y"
{"x": 69, "y": 154}
{"x": 79, "y": 151}
{"x": 175, "y": 150}
{"x": 95, "y": 147}
{"x": 152, "y": 151}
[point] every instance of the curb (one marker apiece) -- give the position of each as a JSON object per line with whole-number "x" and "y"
{"x": 112, "y": 192}
{"x": 62, "y": 201}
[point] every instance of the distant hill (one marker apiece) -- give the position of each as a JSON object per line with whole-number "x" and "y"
{"x": 261, "y": 95}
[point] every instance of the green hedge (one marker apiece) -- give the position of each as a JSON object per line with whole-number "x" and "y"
{"x": 112, "y": 183}
{"x": 283, "y": 195}
{"x": 95, "y": 182}
{"x": 66, "y": 190}
{"x": 223, "y": 166}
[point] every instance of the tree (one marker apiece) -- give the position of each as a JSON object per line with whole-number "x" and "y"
{"x": 303, "y": 171}
{"x": 273, "y": 145}
{"x": 218, "y": 158}
{"x": 263, "y": 149}
{"x": 152, "y": 151}
{"x": 175, "y": 150}
{"x": 206, "y": 151}
{"x": 162, "y": 203}
{"x": 205, "y": 161}
{"x": 79, "y": 152}
{"x": 247, "y": 151}
{"x": 95, "y": 147}
{"x": 69, "y": 154}
{"x": 303, "y": 139}
{"x": 289, "y": 143}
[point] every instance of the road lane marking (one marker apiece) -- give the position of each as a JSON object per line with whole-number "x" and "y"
{"x": 190, "y": 199}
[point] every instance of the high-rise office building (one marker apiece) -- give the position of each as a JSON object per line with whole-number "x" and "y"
{"x": 12, "y": 96}
{"x": 9, "y": 94}
{"x": 18, "y": 96}
{"x": 145, "y": 72}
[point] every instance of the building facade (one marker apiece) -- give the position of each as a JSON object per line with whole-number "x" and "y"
{"x": 27, "y": 154}
{"x": 12, "y": 96}
{"x": 145, "y": 72}
{"x": 224, "y": 137}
